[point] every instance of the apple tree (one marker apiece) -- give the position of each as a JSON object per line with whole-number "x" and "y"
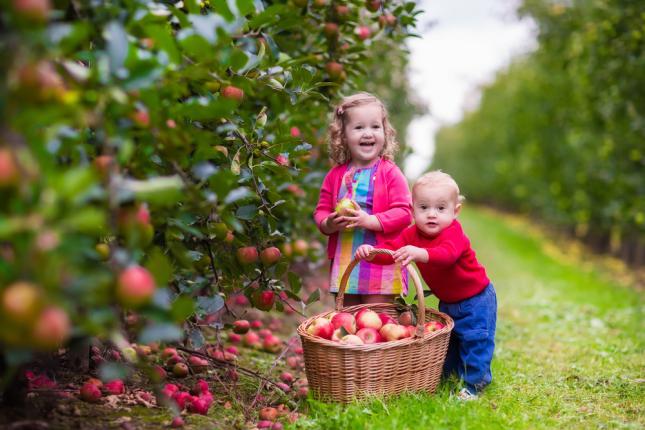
{"x": 158, "y": 156}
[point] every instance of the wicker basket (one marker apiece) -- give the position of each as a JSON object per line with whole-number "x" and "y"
{"x": 343, "y": 373}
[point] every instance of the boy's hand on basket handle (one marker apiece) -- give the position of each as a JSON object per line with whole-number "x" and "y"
{"x": 407, "y": 254}
{"x": 363, "y": 252}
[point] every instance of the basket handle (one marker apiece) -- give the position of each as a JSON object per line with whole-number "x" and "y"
{"x": 421, "y": 316}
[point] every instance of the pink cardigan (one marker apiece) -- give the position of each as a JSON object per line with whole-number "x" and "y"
{"x": 392, "y": 201}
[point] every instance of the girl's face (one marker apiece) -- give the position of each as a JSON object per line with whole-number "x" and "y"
{"x": 364, "y": 134}
{"x": 434, "y": 207}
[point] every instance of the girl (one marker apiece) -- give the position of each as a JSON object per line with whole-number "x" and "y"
{"x": 362, "y": 145}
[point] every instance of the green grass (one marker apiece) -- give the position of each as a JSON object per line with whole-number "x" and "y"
{"x": 570, "y": 347}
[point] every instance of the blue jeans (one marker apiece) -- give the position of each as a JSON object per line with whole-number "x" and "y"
{"x": 472, "y": 340}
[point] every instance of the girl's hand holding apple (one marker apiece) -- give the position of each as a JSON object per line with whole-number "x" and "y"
{"x": 360, "y": 218}
{"x": 333, "y": 223}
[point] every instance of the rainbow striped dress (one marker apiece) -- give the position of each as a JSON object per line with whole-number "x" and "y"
{"x": 366, "y": 278}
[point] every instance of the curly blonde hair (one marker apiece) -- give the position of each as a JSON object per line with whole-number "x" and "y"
{"x": 338, "y": 150}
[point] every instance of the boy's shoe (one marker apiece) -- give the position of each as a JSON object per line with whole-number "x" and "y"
{"x": 466, "y": 395}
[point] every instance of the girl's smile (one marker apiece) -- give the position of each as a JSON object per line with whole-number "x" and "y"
{"x": 364, "y": 134}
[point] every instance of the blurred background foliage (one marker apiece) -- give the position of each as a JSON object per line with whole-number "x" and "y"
{"x": 167, "y": 136}
{"x": 560, "y": 134}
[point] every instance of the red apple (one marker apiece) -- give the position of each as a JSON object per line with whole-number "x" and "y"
{"x": 331, "y": 30}
{"x": 351, "y": 339}
{"x": 268, "y": 414}
{"x": 334, "y": 69}
{"x": 272, "y": 343}
{"x": 232, "y": 93}
{"x": 180, "y": 370}
{"x": 387, "y": 19}
{"x": 90, "y": 392}
{"x": 141, "y": 117}
{"x": 263, "y": 300}
{"x": 247, "y": 255}
{"x": 20, "y": 301}
{"x": 293, "y": 362}
{"x": 386, "y": 319}
{"x": 168, "y": 352}
{"x": 346, "y": 320}
{"x": 34, "y": 10}
{"x": 177, "y": 422}
{"x": 321, "y": 327}
{"x": 337, "y": 335}
{"x": 282, "y": 160}
{"x": 391, "y": 332}
{"x": 256, "y": 324}
{"x": 300, "y": 247}
{"x": 342, "y": 11}
{"x": 363, "y": 32}
{"x": 51, "y": 329}
{"x": 8, "y": 169}
{"x": 114, "y": 387}
{"x": 373, "y": 5}
{"x": 251, "y": 339}
{"x": 286, "y": 377}
{"x": 270, "y": 256}
{"x": 241, "y": 326}
{"x": 265, "y": 332}
{"x": 432, "y": 326}
{"x": 368, "y": 319}
{"x": 135, "y": 287}
{"x": 369, "y": 335}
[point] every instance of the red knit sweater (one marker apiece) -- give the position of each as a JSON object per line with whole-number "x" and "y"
{"x": 452, "y": 271}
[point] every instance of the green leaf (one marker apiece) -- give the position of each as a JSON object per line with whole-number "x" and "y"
{"x": 182, "y": 308}
{"x": 160, "y": 266}
{"x": 247, "y": 212}
{"x": 209, "y": 305}
{"x": 294, "y": 282}
{"x": 343, "y": 331}
{"x": 160, "y": 332}
{"x": 164, "y": 41}
{"x": 161, "y": 190}
{"x": 314, "y": 297}
{"x": 196, "y": 338}
{"x": 87, "y": 220}
{"x": 280, "y": 269}
{"x": 245, "y": 7}
{"x": 74, "y": 183}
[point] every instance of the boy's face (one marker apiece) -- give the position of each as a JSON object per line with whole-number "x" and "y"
{"x": 435, "y": 207}
{"x": 364, "y": 133}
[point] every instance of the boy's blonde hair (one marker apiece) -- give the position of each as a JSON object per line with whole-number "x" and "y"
{"x": 438, "y": 178}
{"x": 338, "y": 150}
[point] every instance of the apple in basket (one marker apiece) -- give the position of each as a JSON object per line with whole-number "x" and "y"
{"x": 351, "y": 339}
{"x": 345, "y": 205}
{"x": 412, "y": 329}
{"x": 338, "y": 335}
{"x": 367, "y": 318}
{"x": 346, "y": 320}
{"x": 386, "y": 319}
{"x": 392, "y": 332}
{"x": 369, "y": 335}
{"x": 321, "y": 327}
{"x": 432, "y": 326}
